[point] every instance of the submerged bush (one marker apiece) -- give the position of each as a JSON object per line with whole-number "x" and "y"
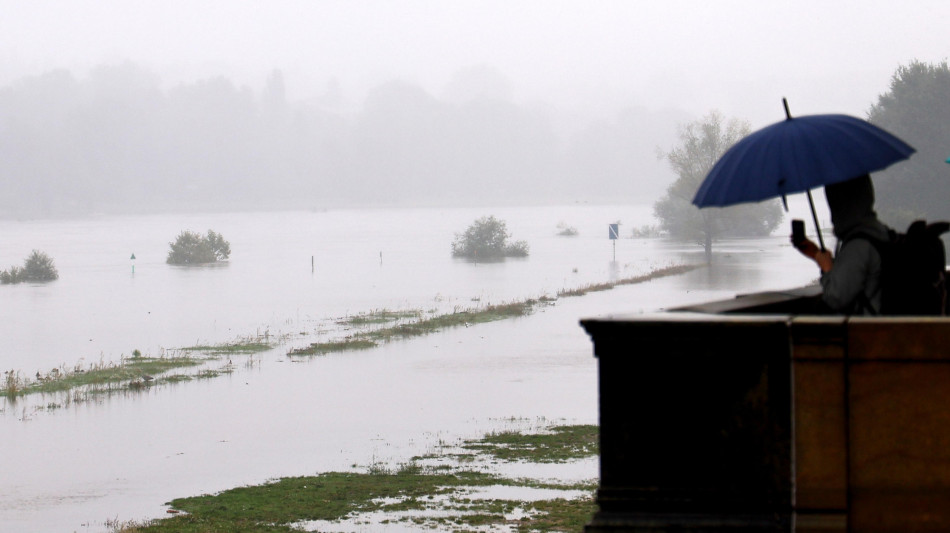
{"x": 37, "y": 267}
{"x": 563, "y": 230}
{"x": 190, "y": 248}
{"x": 487, "y": 238}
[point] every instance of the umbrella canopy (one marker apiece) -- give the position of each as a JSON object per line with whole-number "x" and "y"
{"x": 796, "y": 155}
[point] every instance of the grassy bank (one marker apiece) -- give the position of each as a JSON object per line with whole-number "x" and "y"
{"x": 449, "y": 489}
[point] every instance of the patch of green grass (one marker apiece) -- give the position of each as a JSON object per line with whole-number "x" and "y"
{"x": 239, "y": 348}
{"x": 466, "y": 317}
{"x": 121, "y": 374}
{"x": 560, "y": 444}
{"x": 322, "y": 348}
{"x": 423, "y": 326}
{"x": 460, "y": 317}
{"x": 560, "y": 515}
{"x": 131, "y": 373}
{"x": 428, "y": 498}
{"x": 380, "y": 316}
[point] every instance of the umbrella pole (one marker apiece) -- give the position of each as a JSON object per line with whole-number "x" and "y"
{"x": 811, "y": 203}
{"x": 814, "y": 216}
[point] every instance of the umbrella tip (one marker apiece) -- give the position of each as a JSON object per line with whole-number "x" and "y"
{"x": 788, "y": 114}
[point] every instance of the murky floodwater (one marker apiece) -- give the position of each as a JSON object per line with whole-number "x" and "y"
{"x": 123, "y": 456}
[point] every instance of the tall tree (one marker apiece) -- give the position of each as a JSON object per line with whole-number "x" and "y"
{"x": 915, "y": 109}
{"x": 702, "y": 143}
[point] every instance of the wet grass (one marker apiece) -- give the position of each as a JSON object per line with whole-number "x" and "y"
{"x": 654, "y": 274}
{"x": 238, "y": 348}
{"x": 559, "y": 444}
{"x": 432, "y": 498}
{"x": 464, "y": 317}
{"x": 379, "y": 316}
{"x": 129, "y": 373}
{"x": 423, "y": 326}
{"x": 323, "y": 348}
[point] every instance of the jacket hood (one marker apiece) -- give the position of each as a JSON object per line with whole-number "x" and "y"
{"x": 852, "y": 205}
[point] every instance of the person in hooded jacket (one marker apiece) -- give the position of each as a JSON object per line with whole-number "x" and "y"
{"x": 851, "y": 278}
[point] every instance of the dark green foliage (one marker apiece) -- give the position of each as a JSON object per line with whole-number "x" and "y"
{"x": 13, "y": 275}
{"x": 915, "y": 109}
{"x": 702, "y": 144}
{"x": 191, "y": 249}
{"x": 37, "y": 267}
{"x": 487, "y": 238}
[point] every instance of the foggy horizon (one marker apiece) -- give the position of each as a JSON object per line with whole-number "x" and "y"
{"x": 590, "y": 92}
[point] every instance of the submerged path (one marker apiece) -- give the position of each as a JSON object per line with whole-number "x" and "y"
{"x": 137, "y": 372}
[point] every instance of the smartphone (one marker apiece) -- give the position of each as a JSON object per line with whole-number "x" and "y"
{"x": 798, "y": 231}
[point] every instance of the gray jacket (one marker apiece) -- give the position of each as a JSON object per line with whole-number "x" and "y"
{"x": 856, "y": 271}
{"x": 855, "y": 278}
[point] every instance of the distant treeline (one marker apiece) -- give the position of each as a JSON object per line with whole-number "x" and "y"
{"x": 115, "y": 140}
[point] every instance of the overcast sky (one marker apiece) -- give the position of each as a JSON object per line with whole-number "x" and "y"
{"x": 738, "y": 56}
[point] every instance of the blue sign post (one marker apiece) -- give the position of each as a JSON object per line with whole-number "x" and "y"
{"x": 614, "y": 233}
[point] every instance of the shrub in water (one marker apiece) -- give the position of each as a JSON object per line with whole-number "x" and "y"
{"x": 487, "y": 238}
{"x": 37, "y": 267}
{"x": 191, "y": 248}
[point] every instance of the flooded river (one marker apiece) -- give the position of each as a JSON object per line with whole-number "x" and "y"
{"x": 292, "y": 275}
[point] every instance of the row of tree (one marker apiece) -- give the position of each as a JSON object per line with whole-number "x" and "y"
{"x": 117, "y": 140}
{"x": 914, "y": 108}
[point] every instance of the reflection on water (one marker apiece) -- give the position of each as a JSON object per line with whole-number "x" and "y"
{"x": 743, "y": 266}
{"x": 122, "y": 456}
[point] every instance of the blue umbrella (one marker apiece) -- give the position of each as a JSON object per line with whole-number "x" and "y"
{"x": 797, "y": 155}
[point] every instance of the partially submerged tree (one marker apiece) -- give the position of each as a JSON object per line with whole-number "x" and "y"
{"x": 37, "y": 267}
{"x": 565, "y": 230}
{"x": 487, "y": 238}
{"x": 702, "y": 143}
{"x": 191, "y": 248}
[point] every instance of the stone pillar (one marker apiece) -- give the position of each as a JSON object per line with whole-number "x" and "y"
{"x": 695, "y": 422}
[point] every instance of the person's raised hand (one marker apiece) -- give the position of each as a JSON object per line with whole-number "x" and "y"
{"x": 807, "y": 248}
